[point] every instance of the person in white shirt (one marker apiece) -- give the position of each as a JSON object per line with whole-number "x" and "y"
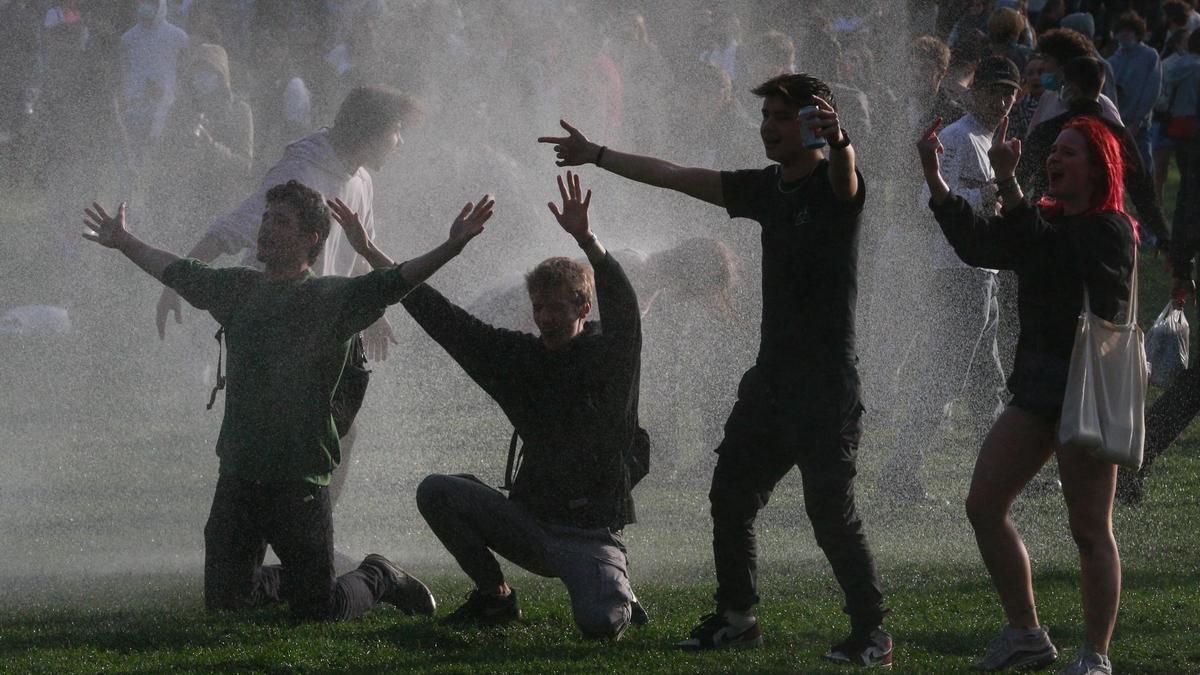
{"x": 333, "y": 161}
{"x": 149, "y": 57}
{"x": 957, "y": 354}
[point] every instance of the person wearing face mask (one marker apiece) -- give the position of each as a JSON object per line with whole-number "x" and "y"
{"x": 209, "y": 150}
{"x": 1077, "y": 237}
{"x": 1057, "y": 47}
{"x": 1139, "y": 79}
{"x": 1081, "y": 92}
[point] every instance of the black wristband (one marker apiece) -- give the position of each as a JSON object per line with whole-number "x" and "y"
{"x": 845, "y": 140}
{"x": 588, "y": 241}
{"x": 600, "y": 155}
{"x": 1007, "y": 184}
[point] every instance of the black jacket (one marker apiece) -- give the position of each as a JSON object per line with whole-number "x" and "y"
{"x": 1053, "y": 259}
{"x": 575, "y": 407}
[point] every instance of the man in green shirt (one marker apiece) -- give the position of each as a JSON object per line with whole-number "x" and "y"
{"x": 288, "y": 336}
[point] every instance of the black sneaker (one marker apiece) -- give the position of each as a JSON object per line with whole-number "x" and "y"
{"x": 868, "y": 649}
{"x": 407, "y": 593}
{"x": 637, "y": 614}
{"x": 715, "y": 632}
{"x": 483, "y": 609}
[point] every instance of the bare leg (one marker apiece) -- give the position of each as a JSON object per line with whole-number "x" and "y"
{"x": 1088, "y": 487}
{"x": 1013, "y": 452}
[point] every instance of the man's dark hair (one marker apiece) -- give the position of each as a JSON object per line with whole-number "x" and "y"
{"x": 795, "y": 89}
{"x": 1085, "y": 74}
{"x": 1131, "y": 21}
{"x": 1177, "y": 12}
{"x": 367, "y": 113}
{"x": 933, "y": 50}
{"x": 311, "y": 213}
{"x": 1064, "y": 44}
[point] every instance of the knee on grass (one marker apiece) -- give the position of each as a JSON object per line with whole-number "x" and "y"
{"x": 603, "y": 623}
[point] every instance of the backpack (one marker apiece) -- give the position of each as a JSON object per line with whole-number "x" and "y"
{"x": 347, "y": 396}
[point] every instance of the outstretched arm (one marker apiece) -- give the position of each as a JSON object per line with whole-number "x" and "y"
{"x": 575, "y": 149}
{"x": 110, "y": 232}
{"x": 619, "y": 312}
{"x": 573, "y": 218}
{"x": 465, "y": 227}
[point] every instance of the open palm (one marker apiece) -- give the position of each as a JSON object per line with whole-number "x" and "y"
{"x": 573, "y": 217}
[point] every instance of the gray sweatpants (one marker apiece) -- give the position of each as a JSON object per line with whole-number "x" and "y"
{"x": 472, "y": 520}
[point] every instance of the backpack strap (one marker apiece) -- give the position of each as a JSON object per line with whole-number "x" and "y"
{"x": 212, "y": 397}
{"x": 514, "y": 461}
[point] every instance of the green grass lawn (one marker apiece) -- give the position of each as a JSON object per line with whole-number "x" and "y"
{"x": 92, "y": 581}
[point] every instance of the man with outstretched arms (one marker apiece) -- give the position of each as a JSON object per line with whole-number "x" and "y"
{"x": 799, "y": 405}
{"x": 288, "y": 333}
{"x": 572, "y": 395}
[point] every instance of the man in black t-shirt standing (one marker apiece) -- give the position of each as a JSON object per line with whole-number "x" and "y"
{"x": 799, "y": 404}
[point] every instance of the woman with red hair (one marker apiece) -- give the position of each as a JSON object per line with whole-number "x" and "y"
{"x": 1077, "y": 237}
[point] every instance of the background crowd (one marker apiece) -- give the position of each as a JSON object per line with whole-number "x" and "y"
{"x": 180, "y": 106}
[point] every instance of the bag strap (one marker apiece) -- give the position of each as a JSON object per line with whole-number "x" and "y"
{"x": 514, "y": 461}
{"x": 212, "y": 397}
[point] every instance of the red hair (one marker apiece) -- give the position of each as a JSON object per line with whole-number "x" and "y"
{"x": 1107, "y": 161}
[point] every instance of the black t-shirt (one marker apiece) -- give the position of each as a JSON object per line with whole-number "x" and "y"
{"x": 810, "y": 274}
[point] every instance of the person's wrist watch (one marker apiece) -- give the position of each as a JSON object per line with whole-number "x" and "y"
{"x": 586, "y": 241}
{"x": 845, "y": 142}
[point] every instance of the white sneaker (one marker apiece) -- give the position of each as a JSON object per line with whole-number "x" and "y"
{"x": 1088, "y": 663}
{"x": 1018, "y": 648}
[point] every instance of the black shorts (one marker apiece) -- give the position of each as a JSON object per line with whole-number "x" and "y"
{"x": 1039, "y": 383}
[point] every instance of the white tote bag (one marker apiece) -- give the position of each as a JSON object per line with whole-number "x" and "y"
{"x": 1104, "y": 407}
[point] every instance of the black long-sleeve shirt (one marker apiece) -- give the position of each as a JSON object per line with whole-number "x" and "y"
{"x": 1052, "y": 260}
{"x": 575, "y": 407}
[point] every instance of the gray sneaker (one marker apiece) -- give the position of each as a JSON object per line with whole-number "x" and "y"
{"x": 1018, "y": 649}
{"x": 1088, "y": 663}
{"x": 407, "y": 592}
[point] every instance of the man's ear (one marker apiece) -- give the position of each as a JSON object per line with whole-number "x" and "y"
{"x": 585, "y": 309}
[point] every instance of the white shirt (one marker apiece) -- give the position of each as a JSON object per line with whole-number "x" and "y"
{"x": 1051, "y": 105}
{"x": 311, "y": 161}
{"x": 968, "y": 172}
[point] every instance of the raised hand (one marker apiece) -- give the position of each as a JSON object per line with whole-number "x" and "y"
{"x": 929, "y": 146}
{"x": 106, "y": 230}
{"x": 1003, "y": 154}
{"x": 573, "y": 217}
{"x": 349, "y": 221}
{"x": 825, "y": 122}
{"x": 574, "y": 148}
{"x": 470, "y": 220}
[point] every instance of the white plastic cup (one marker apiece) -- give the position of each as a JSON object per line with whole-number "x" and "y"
{"x": 810, "y": 137}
